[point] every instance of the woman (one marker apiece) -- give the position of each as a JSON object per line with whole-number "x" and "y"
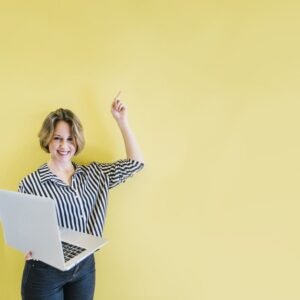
{"x": 80, "y": 193}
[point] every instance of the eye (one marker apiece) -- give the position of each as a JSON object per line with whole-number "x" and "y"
{"x": 70, "y": 139}
{"x": 56, "y": 138}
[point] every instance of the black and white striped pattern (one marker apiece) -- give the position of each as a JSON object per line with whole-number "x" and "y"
{"x": 82, "y": 205}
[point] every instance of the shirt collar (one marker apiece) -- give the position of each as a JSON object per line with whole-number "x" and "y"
{"x": 78, "y": 169}
{"x": 47, "y": 175}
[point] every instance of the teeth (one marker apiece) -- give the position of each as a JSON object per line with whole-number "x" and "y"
{"x": 63, "y": 152}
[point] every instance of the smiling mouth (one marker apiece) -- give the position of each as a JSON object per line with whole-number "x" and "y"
{"x": 63, "y": 153}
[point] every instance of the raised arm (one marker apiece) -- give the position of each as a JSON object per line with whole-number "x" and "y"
{"x": 120, "y": 113}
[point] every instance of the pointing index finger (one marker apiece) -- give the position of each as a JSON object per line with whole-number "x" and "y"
{"x": 119, "y": 93}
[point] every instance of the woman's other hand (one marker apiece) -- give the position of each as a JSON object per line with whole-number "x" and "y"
{"x": 28, "y": 255}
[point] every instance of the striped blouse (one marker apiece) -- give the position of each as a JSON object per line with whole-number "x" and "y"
{"x": 82, "y": 205}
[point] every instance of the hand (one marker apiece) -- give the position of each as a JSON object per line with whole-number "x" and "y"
{"x": 28, "y": 255}
{"x": 118, "y": 109}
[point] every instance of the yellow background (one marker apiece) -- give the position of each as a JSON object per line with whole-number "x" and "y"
{"x": 213, "y": 92}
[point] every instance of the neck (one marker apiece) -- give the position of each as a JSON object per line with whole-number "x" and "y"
{"x": 63, "y": 171}
{"x": 60, "y": 166}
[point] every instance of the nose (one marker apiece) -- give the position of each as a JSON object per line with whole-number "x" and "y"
{"x": 62, "y": 143}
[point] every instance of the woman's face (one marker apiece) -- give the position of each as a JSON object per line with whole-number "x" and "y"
{"x": 62, "y": 146}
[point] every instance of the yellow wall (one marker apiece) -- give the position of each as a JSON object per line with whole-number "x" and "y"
{"x": 213, "y": 94}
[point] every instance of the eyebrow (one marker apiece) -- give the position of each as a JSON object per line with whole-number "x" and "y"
{"x": 58, "y": 135}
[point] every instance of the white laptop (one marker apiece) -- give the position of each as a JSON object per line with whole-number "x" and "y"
{"x": 30, "y": 224}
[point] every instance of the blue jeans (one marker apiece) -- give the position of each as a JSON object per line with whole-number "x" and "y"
{"x": 43, "y": 282}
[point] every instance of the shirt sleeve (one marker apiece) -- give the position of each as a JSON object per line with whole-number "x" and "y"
{"x": 120, "y": 170}
{"x": 24, "y": 187}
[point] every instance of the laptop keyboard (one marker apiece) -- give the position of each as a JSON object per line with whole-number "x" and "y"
{"x": 70, "y": 250}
